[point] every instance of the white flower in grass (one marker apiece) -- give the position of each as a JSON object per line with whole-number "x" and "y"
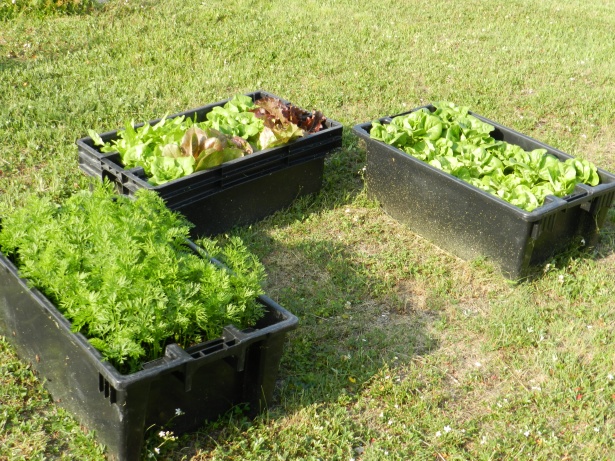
{"x": 610, "y": 377}
{"x": 178, "y": 412}
{"x": 447, "y": 429}
{"x": 438, "y": 434}
{"x": 596, "y": 429}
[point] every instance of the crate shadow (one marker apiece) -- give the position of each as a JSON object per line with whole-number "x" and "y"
{"x": 351, "y": 324}
{"x": 354, "y": 324}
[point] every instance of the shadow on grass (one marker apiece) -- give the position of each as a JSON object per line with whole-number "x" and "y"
{"x": 353, "y": 327}
{"x": 358, "y": 310}
{"x": 351, "y": 322}
{"x": 8, "y": 63}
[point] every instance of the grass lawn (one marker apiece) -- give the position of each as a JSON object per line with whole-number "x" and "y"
{"x": 403, "y": 352}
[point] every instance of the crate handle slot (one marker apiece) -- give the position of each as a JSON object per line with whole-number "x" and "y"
{"x": 573, "y": 197}
{"x": 107, "y": 389}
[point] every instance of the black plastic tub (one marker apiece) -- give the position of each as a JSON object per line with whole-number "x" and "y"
{"x": 203, "y": 381}
{"x": 236, "y": 193}
{"x": 471, "y": 223}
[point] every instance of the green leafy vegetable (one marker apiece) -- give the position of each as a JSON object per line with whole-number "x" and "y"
{"x": 165, "y": 168}
{"x": 238, "y": 128}
{"x": 236, "y": 118}
{"x": 120, "y": 271}
{"x": 453, "y": 140}
{"x": 210, "y": 148}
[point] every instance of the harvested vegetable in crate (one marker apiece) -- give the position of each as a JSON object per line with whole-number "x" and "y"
{"x": 176, "y": 147}
{"x": 460, "y": 144}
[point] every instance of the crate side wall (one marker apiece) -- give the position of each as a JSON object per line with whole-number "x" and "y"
{"x": 250, "y": 201}
{"x": 70, "y": 376}
{"x": 448, "y": 214}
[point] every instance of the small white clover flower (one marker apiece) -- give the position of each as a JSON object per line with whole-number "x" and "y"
{"x": 527, "y": 433}
{"x": 447, "y": 429}
{"x": 161, "y": 434}
{"x": 178, "y": 412}
{"x": 438, "y": 434}
{"x": 596, "y": 429}
{"x": 610, "y": 377}
{"x": 157, "y": 450}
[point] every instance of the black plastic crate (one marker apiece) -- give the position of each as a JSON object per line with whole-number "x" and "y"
{"x": 204, "y": 381}
{"x": 471, "y": 223}
{"x": 234, "y": 193}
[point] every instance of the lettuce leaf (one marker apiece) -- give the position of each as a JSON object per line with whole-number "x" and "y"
{"x": 454, "y": 141}
{"x": 165, "y": 169}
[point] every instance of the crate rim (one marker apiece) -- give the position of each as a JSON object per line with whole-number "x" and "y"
{"x": 554, "y": 206}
